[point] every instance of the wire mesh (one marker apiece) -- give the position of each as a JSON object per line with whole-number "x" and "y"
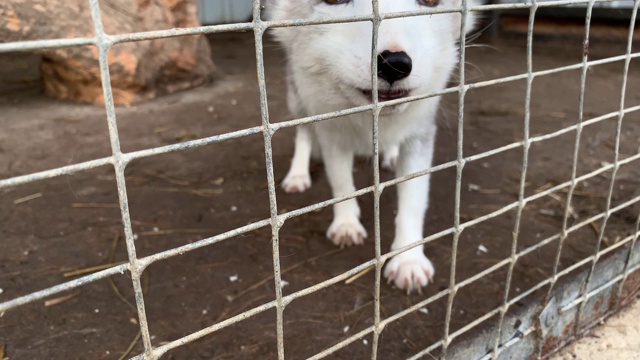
{"x": 136, "y": 265}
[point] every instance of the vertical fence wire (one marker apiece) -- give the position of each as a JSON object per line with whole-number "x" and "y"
{"x": 120, "y": 163}
{"x": 576, "y": 152}
{"x": 627, "y": 265}
{"x": 460, "y": 162}
{"x": 276, "y": 223}
{"x": 523, "y": 181}
{"x": 584, "y": 291}
{"x": 632, "y": 245}
{"x": 568, "y": 211}
{"x": 377, "y": 190}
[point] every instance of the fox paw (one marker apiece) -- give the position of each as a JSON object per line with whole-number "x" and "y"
{"x": 346, "y": 232}
{"x": 409, "y": 271}
{"x": 296, "y": 183}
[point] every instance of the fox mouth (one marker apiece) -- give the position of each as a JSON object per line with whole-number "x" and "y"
{"x": 386, "y": 95}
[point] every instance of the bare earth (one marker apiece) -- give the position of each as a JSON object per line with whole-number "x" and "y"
{"x": 616, "y": 338}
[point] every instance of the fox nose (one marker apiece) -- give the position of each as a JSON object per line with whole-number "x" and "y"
{"x": 393, "y": 66}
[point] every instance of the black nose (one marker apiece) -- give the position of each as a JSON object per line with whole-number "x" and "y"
{"x": 393, "y": 66}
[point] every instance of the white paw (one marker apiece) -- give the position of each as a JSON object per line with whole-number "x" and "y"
{"x": 346, "y": 232}
{"x": 390, "y": 160}
{"x": 409, "y": 271}
{"x": 296, "y": 183}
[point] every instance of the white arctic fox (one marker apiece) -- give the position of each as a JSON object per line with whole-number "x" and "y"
{"x": 329, "y": 69}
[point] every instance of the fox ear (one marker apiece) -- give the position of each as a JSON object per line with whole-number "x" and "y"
{"x": 472, "y": 17}
{"x": 281, "y": 10}
{"x": 271, "y": 9}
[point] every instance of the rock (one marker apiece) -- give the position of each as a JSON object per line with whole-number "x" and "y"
{"x": 139, "y": 71}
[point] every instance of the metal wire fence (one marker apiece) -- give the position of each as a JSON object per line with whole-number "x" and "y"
{"x": 137, "y": 265}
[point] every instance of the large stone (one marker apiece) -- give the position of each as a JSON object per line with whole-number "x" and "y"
{"x": 139, "y": 70}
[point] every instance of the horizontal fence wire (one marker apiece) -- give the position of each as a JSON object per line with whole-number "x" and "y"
{"x": 523, "y": 181}
{"x": 607, "y": 213}
{"x": 457, "y": 229}
{"x": 136, "y": 265}
{"x": 32, "y": 45}
{"x": 128, "y": 157}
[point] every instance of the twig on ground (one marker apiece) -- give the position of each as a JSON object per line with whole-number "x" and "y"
{"x": 168, "y": 179}
{"x": 27, "y": 198}
{"x": 130, "y": 348}
{"x": 114, "y": 247}
{"x": 91, "y": 269}
{"x": 206, "y": 266}
{"x": 60, "y": 299}
{"x": 115, "y": 289}
{"x": 265, "y": 280}
{"x": 197, "y": 192}
{"x": 595, "y": 227}
{"x": 146, "y": 279}
{"x": 359, "y": 275}
{"x": 112, "y": 283}
{"x": 175, "y": 231}
{"x": 95, "y": 206}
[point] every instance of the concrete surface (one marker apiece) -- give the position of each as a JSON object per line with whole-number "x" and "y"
{"x": 617, "y": 338}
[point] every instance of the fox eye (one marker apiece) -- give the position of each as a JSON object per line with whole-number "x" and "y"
{"x": 337, "y": 2}
{"x": 429, "y": 3}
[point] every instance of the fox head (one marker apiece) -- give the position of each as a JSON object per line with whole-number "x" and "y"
{"x": 416, "y": 54}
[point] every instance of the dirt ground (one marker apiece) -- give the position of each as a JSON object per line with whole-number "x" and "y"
{"x": 51, "y": 228}
{"x": 616, "y": 338}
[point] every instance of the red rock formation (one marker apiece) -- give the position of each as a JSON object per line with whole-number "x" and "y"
{"x": 139, "y": 71}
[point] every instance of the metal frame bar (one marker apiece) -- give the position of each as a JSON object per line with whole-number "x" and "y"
{"x": 136, "y": 266}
